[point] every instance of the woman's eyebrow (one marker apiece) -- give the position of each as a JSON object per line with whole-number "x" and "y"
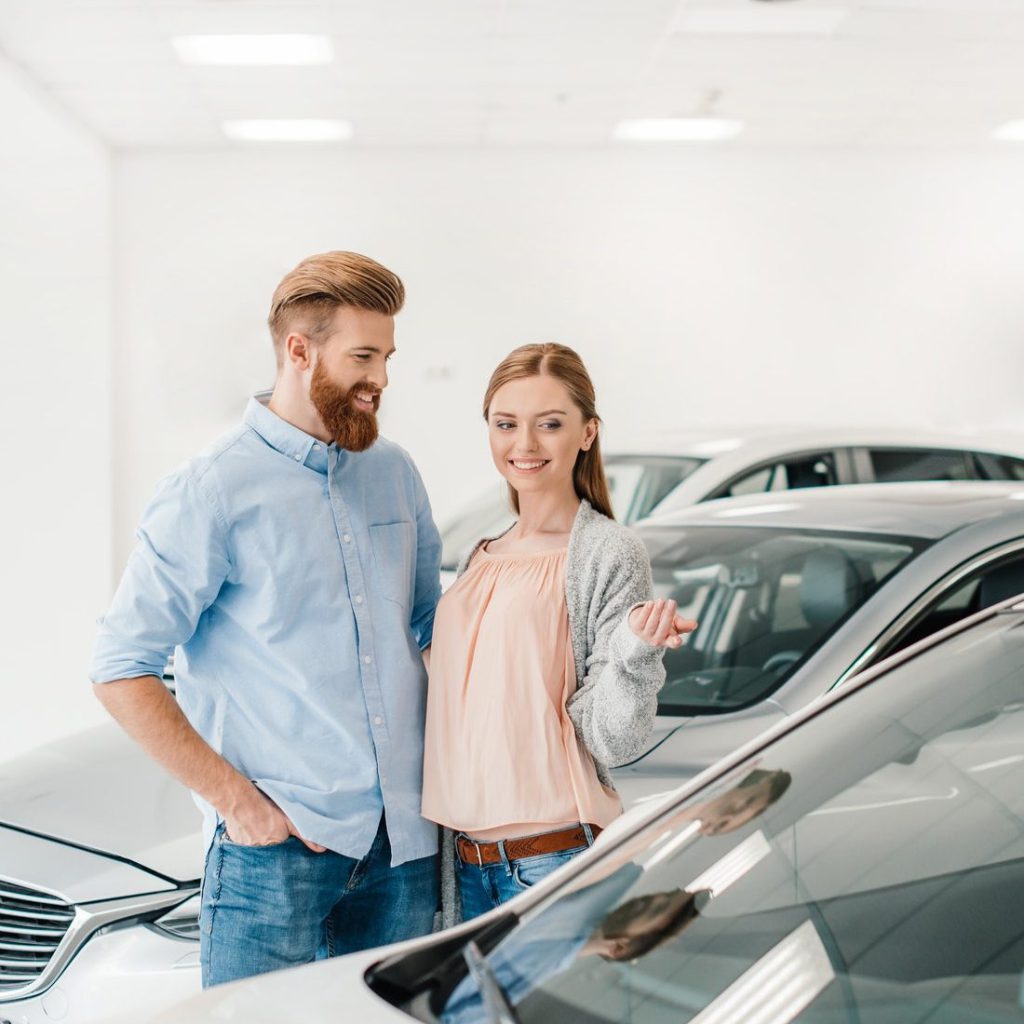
{"x": 550, "y": 412}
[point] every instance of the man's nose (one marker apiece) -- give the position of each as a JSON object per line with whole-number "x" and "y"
{"x": 378, "y": 377}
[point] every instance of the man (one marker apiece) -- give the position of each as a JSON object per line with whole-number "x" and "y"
{"x": 294, "y": 569}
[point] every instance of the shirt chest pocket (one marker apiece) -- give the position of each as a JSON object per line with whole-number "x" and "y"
{"x": 394, "y": 561}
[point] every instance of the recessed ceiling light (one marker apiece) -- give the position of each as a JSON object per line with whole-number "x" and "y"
{"x": 677, "y": 129}
{"x": 254, "y": 51}
{"x": 298, "y": 130}
{"x": 1012, "y": 131}
{"x": 759, "y": 20}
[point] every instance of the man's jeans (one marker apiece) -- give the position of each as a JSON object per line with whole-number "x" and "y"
{"x": 266, "y": 907}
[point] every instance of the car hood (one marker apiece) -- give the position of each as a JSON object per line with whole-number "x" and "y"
{"x": 98, "y": 790}
{"x": 331, "y": 990}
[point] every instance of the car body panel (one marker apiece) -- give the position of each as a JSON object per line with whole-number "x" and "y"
{"x": 97, "y": 789}
{"x": 75, "y": 875}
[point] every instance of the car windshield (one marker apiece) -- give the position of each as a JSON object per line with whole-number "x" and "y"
{"x": 867, "y": 867}
{"x": 765, "y": 600}
{"x": 636, "y": 483}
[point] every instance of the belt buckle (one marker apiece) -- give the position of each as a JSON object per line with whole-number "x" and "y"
{"x": 476, "y": 847}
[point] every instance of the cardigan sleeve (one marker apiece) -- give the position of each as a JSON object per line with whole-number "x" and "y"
{"x": 614, "y": 706}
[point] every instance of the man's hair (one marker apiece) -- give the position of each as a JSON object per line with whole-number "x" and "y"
{"x": 779, "y": 782}
{"x": 684, "y": 909}
{"x": 308, "y": 296}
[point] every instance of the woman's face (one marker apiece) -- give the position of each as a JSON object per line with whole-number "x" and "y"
{"x": 536, "y": 431}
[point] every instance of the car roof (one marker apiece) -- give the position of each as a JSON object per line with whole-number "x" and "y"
{"x": 762, "y": 441}
{"x": 928, "y": 510}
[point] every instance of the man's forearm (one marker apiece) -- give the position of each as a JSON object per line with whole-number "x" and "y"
{"x": 148, "y": 712}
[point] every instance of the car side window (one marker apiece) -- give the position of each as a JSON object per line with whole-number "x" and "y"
{"x": 997, "y": 467}
{"x": 817, "y": 469}
{"x": 989, "y": 585}
{"x": 892, "y": 465}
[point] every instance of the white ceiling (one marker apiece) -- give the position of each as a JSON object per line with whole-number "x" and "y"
{"x": 852, "y": 73}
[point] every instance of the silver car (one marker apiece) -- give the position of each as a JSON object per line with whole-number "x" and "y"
{"x": 797, "y": 592}
{"x": 863, "y": 861}
{"x": 660, "y": 472}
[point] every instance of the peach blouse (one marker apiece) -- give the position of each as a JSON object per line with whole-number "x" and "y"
{"x": 501, "y": 755}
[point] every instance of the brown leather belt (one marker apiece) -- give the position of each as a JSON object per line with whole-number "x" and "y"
{"x": 472, "y": 852}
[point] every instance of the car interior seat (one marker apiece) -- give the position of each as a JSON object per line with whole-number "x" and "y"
{"x": 1001, "y": 584}
{"x": 830, "y": 586}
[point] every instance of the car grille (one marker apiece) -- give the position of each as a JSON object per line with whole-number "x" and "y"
{"x": 32, "y": 924}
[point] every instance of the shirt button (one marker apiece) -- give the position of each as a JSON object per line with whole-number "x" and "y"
{"x": 359, "y": 598}
{"x": 367, "y": 660}
{"x": 383, "y": 780}
{"x": 377, "y": 720}
{"x": 346, "y": 538}
{"x": 316, "y": 447}
{"x": 298, "y": 458}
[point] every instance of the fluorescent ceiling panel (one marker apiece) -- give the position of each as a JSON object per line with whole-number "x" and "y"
{"x": 677, "y": 129}
{"x": 1012, "y": 131}
{"x": 277, "y": 130}
{"x": 254, "y": 51}
{"x": 758, "y": 20}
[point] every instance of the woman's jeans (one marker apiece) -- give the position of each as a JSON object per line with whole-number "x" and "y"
{"x": 484, "y": 887}
{"x": 266, "y": 907}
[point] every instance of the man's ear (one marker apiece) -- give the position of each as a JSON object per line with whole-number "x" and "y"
{"x": 298, "y": 351}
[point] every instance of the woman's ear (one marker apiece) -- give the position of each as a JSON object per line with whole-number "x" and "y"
{"x": 589, "y": 435}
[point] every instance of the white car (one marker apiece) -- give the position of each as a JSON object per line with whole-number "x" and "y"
{"x": 656, "y": 473}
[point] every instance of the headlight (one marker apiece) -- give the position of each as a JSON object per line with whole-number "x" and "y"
{"x": 182, "y": 922}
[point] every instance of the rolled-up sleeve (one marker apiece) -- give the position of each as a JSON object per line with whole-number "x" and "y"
{"x": 174, "y": 574}
{"x": 428, "y": 568}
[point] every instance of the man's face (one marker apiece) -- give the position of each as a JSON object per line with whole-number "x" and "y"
{"x": 349, "y": 374}
{"x": 734, "y": 809}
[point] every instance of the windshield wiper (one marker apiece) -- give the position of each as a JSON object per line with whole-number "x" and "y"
{"x": 499, "y": 1009}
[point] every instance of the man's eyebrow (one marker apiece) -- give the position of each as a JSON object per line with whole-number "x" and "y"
{"x": 372, "y": 348}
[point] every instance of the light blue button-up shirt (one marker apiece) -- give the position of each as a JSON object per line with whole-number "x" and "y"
{"x": 296, "y": 584}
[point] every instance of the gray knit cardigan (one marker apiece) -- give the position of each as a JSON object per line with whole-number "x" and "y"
{"x": 618, "y": 675}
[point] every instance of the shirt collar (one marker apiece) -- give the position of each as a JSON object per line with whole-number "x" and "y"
{"x": 279, "y": 434}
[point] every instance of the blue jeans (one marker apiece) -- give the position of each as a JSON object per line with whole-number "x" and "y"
{"x": 267, "y": 907}
{"x": 484, "y": 887}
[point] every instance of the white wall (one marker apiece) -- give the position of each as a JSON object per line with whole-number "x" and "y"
{"x": 701, "y": 287}
{"x": 54, "y": 416}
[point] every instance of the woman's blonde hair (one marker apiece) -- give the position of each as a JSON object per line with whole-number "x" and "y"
{"x": 562, "y": 363}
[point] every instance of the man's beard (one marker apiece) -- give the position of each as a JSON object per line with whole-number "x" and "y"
{"x": 352, "y": 429}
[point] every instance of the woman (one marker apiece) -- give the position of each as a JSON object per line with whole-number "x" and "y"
{"x": 547, "y": 651}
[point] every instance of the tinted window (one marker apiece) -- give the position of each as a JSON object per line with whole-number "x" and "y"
{"x": 637, "y": 485}
{"x": 867, "y": 867}
{"x": 807, "y": 471}
{"x": 891, "y": 465}
{"x": 990, "y": 585}
{"x": 765, "y": 600}
{"x": 997, "y": 467}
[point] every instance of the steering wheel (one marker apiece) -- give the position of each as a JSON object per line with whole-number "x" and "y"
{"x": 780, "y": 660}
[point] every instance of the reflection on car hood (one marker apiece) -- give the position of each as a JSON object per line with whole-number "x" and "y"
{"x": 331, "y": 990}
{"x": 99, "y": 790}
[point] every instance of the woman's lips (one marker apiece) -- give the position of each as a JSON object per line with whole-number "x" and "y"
{"x": 528, "y": 466}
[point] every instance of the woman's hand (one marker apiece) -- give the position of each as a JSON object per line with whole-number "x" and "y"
{"x": 657, "y": 623}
